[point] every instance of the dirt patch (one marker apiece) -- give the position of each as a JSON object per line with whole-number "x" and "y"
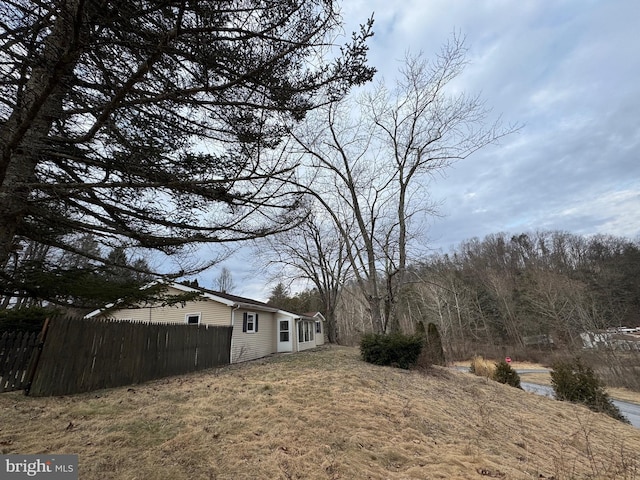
{"x": 322, "y": 414}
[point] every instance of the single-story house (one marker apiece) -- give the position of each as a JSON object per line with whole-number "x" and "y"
{"x": 258, "y": 329}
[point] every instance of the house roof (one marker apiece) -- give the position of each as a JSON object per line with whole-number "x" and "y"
{"x": 221, "y": 297}
{"x": 248, "y": 302}
{"x": 225, "y": 298}
{"x": 243, "y": 301}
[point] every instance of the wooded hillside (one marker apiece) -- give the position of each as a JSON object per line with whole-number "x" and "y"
{"x": 517, "y": 291}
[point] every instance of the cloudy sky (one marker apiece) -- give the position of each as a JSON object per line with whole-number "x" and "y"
{"x": 568, "y": 71}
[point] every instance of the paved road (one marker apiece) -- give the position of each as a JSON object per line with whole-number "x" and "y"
{"x": 532, "y": 370}
{"x": 519, "y": 370}
{"x": 629, "y": 410}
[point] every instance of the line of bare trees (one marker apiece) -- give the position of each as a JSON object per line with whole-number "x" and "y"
{"x": 517, "y": 291}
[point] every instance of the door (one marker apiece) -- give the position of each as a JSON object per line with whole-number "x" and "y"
{"x": 285, "y": 343}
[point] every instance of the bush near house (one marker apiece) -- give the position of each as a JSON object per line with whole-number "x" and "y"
{"x": 396, "y": 349}
{"x": 574, "y": 382}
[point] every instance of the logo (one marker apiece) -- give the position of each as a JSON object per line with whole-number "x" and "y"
{"x": 51, "y": 467}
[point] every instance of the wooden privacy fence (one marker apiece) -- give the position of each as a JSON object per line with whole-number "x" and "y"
{"x": 81, "y": 355}
{"x": 16, "y": 352}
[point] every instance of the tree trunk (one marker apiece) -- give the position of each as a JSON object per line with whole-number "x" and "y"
{"x": 377, "y": 320}
{"x": 24, "y": 135}
{"x": 332, "y": 334}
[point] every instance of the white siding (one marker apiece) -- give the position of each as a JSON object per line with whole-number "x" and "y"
{"x": 249, "y": 346}
{"x": 320, "y": 336}
{"x": 211, "y": 313}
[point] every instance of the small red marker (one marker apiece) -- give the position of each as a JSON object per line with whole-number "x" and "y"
{"x": 508, "y": 360}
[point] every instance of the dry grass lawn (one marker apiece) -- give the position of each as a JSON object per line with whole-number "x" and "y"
{"x": 323, "y": 414}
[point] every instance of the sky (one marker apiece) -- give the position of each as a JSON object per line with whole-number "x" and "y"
{"x": 567, "y": 71}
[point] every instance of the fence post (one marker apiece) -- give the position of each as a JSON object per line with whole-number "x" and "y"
{"x": 33, "y": 365}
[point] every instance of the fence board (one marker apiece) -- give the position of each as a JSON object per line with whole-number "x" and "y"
{"x": 82, "y": 355}
{"x": 16, "y": 351}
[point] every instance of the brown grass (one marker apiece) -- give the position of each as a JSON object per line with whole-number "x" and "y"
{"x": 321, "y": 415}
{"x": 482, "y": 368}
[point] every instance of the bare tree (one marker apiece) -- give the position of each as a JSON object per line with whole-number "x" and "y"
{"x": 152, "y": 124}
{"x": 313, "y": 252}
{"x": 370, "y": 163}
{"x": 224, "y": 283}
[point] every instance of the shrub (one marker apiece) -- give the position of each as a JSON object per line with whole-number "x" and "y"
{"x": 574, "y": 382}
{"x": 24, "y": 319}
{"x": 481, "y": 367}
{"x": 503, "y": 373}
{"x": 396, "y": 350}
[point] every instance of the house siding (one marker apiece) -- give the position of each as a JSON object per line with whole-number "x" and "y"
{"x": 320, "y": 336}
{"x": 249, "y": 346}
{"x": 211, "y": 313}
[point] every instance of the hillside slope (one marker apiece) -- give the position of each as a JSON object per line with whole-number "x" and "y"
{"x": 323, "y": 414}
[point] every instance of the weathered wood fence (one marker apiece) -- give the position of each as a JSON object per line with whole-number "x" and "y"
{"x": 81, "y": 355}
{"x": 17, "y": 349}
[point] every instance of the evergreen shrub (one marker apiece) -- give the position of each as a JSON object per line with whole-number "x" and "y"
{"x": 575, "y": 382}
{"x": 28, "y": 319}
{"x": 504, "y": 373}
{"x": 396, "y": 349}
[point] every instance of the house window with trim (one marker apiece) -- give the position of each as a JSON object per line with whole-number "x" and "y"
{"x": 305, "y": 331}
{"x": 318, "y": 326}
{"x": 250, "y": 322}
{"x": 192, "y": 318}
{"x": 284, "y": 330}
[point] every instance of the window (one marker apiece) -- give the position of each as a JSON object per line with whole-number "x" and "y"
{"x": 192, "y": 318}
{"x": 284, "y": 330}
{"x": 306, "y": 331}
{"x": 250, "y": 322}
{"x": 318, "y": 326}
